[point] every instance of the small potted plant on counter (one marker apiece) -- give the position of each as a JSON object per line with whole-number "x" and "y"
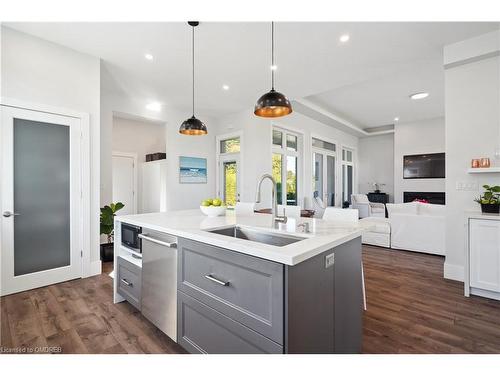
{"x": 490, "y": 200}
{"x": 107, "y": 217}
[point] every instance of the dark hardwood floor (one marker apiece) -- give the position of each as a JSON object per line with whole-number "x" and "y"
{"x": 411, "y": 309}
{"x": 79, "y": 317}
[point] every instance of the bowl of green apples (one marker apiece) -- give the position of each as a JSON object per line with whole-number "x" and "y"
{"x": 213, "y": 207}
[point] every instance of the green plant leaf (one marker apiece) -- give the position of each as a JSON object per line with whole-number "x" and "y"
{"x": 120, "y": 205}
{"x": 107, "y": 217}
{"x": 106, "y": 229}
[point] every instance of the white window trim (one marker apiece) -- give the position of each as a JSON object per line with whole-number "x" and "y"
{"x": 220, "y": 156}
{"x": 299, "y": 154}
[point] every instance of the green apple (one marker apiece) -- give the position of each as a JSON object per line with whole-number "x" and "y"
{"x": 206, "y": 202}
{"x": 216, "y": 202}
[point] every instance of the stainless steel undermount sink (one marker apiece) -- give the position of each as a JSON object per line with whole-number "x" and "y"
{"x": 255, "y": 235}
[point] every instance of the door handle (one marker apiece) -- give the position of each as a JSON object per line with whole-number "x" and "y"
{"x": 9, "y": 214}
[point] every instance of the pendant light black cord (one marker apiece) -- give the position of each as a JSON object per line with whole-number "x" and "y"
{"x": 272, "y": 55}
{"x": 193, "y": 69}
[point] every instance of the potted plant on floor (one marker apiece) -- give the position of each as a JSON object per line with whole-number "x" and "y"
{"x": 490, "y": 200}
{"x": 107, "y": 217}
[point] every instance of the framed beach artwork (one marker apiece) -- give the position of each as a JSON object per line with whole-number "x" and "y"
{"x": 192, "y": 170}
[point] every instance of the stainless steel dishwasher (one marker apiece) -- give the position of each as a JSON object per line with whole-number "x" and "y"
{"x": 159, "y": 280}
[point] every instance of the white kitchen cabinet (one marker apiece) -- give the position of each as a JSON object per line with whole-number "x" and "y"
{"x": 154, "y": 186}
{"x": 484, "y": 257}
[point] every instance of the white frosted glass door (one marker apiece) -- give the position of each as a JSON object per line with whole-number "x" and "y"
{"x": 41, "y": 199}
{"x": 41, "y": 196}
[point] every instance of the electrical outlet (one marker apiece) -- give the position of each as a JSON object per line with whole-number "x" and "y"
{"x": 329, "y": 260}
{"x": 466, "y": 186}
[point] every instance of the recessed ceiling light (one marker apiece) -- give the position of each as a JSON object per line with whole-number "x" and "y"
{"x": 274, "y": 67}
{"x": 148, "y": 56}
{"x": 419, "y": 95}
{"x": 396, "y": 118}
{"x": 154, "y": 106}
{"x": 225, "y": 87}
{"x": 344, "y": 38}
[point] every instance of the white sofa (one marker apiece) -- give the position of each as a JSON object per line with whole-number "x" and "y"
{"x": 418, "y": 227}
{"x": 366, "y": 208}
{"x": 379, "y": 233}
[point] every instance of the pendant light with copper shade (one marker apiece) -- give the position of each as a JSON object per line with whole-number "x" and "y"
{"x": 193, "y": 126}
{"x": 273, "y": 103}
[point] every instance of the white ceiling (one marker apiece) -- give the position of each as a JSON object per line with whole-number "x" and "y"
{"x": 367, "y": 80}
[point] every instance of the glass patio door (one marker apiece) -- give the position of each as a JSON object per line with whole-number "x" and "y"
{"x": 41, "y": 200}
{"x": 230, "y": 183}
{"x": 229, "y": 179}
{"x": 324, "y": 177}
{"x": 347, "y": 174}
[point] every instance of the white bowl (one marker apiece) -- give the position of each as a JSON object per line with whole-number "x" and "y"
{"x": 213, "y": 211}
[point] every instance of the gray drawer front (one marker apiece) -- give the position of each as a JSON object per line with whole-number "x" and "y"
{"x": 131, "y": 274}
{"x": 254, "y": 296}
{"x": 202, "y": 329}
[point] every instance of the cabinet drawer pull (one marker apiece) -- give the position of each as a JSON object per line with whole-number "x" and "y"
{"x": 127, "y": 283}
{"x": 215, "y": 280}
{"x": 172, "y": 245}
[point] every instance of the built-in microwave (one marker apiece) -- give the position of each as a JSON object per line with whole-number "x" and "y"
{"x": 130, "y": 237}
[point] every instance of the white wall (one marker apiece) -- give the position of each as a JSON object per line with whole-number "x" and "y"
{"x": 472, "y": 100}
{"x": 257, "y": 149}
{"x": 376, "y": 163}
{"x": 420, "y": 137}
{"x": 138, "y": 137}
{"x": 180, "y": 196}
{"x": 40, "y": 72}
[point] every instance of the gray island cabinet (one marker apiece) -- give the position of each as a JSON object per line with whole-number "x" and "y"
{"x": 229, "y": 302}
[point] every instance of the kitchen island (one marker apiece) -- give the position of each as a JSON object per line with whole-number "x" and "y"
{"x": 238, "y": 285}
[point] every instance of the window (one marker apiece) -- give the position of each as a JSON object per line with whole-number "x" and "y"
{"x": 346, "y": 155}
{"x": 323, "y": 144}
{"x": 277, "y": 137}
{"x": 347, "y": 174}
{"x": 285, "y": 166}
{"x": 230, "y": 145}
{"x": 291, "y": 142}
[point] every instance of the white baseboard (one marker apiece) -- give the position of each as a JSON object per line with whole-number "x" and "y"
{"x": 453, "y": 272}
{"x": 94, "y": 269}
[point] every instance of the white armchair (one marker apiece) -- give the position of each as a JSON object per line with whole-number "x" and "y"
{"x": 367, "y": 208}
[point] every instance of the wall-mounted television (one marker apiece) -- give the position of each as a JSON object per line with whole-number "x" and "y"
{"x": 424, "y": 166}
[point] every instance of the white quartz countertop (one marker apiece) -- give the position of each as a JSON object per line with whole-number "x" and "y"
{"x": 192, "y": 224}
